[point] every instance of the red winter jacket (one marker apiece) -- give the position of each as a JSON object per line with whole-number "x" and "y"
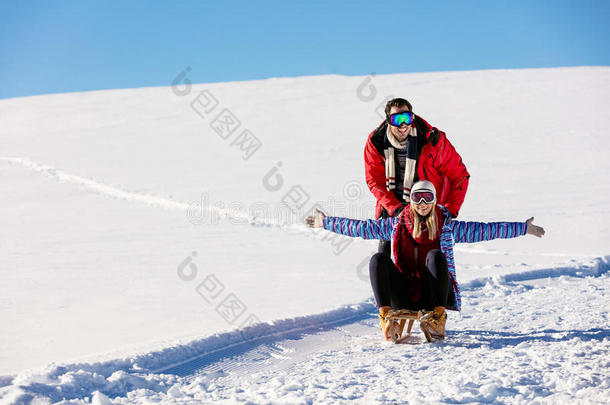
{"x": 437, "y": 162}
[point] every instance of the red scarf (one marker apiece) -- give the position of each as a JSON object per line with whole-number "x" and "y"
{"x": 410, "y": 252}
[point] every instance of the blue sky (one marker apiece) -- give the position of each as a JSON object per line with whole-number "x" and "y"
{"x": 63, "y": 46}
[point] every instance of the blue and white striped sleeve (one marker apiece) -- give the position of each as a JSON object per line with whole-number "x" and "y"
{"x": 469, "y": 232}
{"x": 370, "y": 229}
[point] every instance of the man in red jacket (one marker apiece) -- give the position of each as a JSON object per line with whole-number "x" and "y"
{"x": 405, "y": 149}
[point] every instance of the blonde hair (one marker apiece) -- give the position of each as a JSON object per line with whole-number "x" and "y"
{"x": 431, "y": 221}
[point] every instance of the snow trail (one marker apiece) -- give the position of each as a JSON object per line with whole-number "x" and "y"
{"x": 118, "y": 193}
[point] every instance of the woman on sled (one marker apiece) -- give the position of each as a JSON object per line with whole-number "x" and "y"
{"x": 421, "y": 273}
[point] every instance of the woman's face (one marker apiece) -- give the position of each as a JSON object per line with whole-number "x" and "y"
{"x": 422, "y": 208}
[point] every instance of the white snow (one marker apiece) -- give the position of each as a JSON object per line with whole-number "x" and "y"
{"x": 106, "y": 195}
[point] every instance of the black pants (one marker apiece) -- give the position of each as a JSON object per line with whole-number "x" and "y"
{"x": 391, "y": 287}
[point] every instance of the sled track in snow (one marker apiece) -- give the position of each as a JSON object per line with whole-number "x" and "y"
{"x": 282, "y": 345}
{"x": 261, "y": 344}
{"x": 189, "y": 209}
{"x": 260, "y": 340}
{"x": 593, "y": 268}
{"x": 118, "y": 193}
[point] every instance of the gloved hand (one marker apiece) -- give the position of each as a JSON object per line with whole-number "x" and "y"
{"x": 316, "y": 220}
{"x": 397, "y": 211}
{"x": 532, "y": 229}
{"x": 433, "y": 136}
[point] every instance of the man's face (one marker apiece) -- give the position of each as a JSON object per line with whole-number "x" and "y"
{"x": 401, "y": 132}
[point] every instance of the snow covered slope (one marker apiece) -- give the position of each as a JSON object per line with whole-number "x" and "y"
{"x": 146, "y": 248}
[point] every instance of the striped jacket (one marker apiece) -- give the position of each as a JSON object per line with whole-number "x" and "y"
{"x": 453, "y": 232}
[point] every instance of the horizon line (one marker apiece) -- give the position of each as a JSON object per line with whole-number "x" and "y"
{"x": 303, "y": 76}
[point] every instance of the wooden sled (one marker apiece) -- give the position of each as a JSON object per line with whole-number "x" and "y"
{"x": 397, "y": 318}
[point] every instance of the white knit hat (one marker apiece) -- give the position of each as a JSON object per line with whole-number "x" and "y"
{"x": 424, "y": 185}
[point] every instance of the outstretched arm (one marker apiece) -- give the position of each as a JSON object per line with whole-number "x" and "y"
{"x": 470, "y": 232}
{"x": 369, "y": 229}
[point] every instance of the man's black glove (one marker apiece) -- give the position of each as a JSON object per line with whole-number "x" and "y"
{"x": 433, "y": 136}
{"x": 397, "y": 211}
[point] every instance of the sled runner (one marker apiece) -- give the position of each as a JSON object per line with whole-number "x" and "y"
{"x": 397, "y": 318}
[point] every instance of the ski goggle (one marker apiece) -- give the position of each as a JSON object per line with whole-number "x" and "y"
{"x": 426, "y": 196}
{"x": 398, "y": 119}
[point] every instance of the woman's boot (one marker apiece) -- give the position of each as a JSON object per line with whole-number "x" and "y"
{"x": 383, "y": 325}
{"x": 433, "y": 324}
